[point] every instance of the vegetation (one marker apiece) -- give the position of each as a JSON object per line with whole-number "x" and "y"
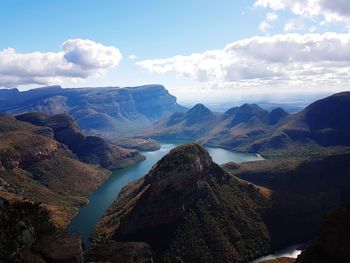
{"x": 21, "y": 224}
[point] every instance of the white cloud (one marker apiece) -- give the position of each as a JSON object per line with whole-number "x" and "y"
{"x": 264, "y": 26}
{"x": 330, "y": 10}
{"x": 78, "y": 59}
{"x": 294, "y": 25}
{"x": 271, "y": 16}
{"x": 283, "y": 60}
{"x": 132, "y": 57}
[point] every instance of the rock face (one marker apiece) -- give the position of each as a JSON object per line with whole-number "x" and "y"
{"x": 89, "y": 149}
{"x": 101, "y": 110}
{"x": 332, "y": 244}
{"x": 199, "y": 212}
{"x": 35, "y": 166}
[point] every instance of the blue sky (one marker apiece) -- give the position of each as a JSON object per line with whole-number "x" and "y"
{"x": 196, "y": 48}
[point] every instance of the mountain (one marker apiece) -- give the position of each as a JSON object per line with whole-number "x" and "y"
{"x": 89, "y": 149}
{"x": 199, "y": 211}
{"x": 325, "y": 123}
{"x": 101, "y": 110}
{"x": 35, "y": 166}
{"x": 206, "y": 213}
{"x": 321, "y": 126}
{"x": 303, "y": 190}
{"x": 239, "y": 126}
{"x": 236, "y": 127}
{"x": 188, "y": 125}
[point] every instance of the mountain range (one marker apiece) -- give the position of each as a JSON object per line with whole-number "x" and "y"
{"x": 52, "y": 158}
{"x": 98, "y": 110}
{"x": 324, "y": 123}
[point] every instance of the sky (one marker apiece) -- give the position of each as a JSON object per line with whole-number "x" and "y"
{"x": 201, "y": 50}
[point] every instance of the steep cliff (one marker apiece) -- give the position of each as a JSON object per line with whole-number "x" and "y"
{"x": 199, "y": 212}
{"x": 102, "y": 110}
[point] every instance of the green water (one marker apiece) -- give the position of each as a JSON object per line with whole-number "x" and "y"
{"x": 103, "y": 197}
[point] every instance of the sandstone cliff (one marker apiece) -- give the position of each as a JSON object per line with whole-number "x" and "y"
{"x": 100, "y": 110}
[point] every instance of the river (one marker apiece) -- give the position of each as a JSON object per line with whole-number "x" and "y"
{"x": 103, "y": 197}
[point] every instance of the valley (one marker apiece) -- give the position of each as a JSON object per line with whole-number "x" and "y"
{"x": 263, "y": 182}
{"x": 175, "y": 131}
{"x": 88, "y": 216}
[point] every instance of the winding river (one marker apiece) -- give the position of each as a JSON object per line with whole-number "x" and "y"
{"x": 103, "y": 197}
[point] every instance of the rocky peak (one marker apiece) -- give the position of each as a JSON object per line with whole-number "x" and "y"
{"x": 183, "y": 166}
{"x": 199, "y": 109}
{"x": 197, "y": 114}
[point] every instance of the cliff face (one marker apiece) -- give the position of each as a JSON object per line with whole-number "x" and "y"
{"x": 35, "y": 166}
{"x": 199, "y": 212}
{"x": 89, "y": 149}
{"x": 102, "y": 110}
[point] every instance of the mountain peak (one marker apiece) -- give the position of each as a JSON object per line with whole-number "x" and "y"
{"x": 198, "y": 113}
{"x": 199, "y": 109}
{"x": 183, "y": 166}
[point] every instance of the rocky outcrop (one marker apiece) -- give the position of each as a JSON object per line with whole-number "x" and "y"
{"x": 89, "y": 149}
{"x": 101, "y": 110}
{"x": 199, "y": 212}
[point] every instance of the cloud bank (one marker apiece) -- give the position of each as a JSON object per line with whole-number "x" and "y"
{"x": 79, "y": 59}
{"x": 287, "y": 59}
{"x": 330, "y": 10}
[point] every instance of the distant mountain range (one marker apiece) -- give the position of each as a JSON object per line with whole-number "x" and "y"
{"x": 251, "y": 128}
{"x": 99, "y": 110}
